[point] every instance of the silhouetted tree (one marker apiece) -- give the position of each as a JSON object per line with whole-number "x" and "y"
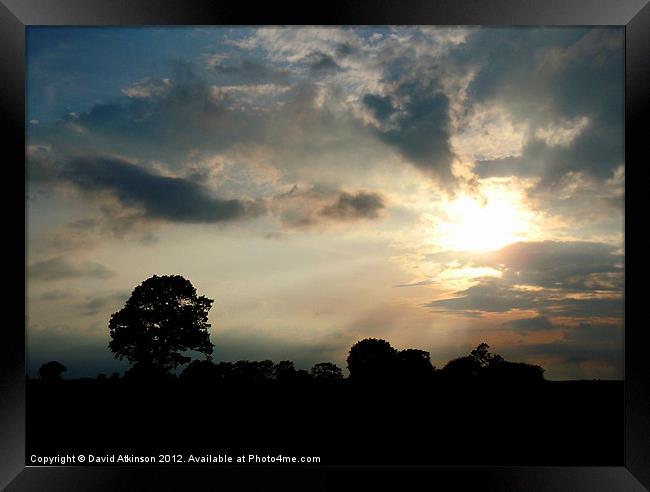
{"x": 266, "y": 368}
{"x": 51, "y": 371}
{"x": 326, "y": 371}
{"x": 101, "y": 377}
{"x": 482, "y": 365}
{"x": 483, "y": 357}
{"x": 284, "y": 370}
{"x": 414, "y": 365}
{"x": 371, "y": 359}
{"x": 253, "y": 370}
{"x": 200, "y": 372}
{"x": 471, "y": 366}
{"x": 148, "y": 373}
{"x": 514, "y": 372}
{"x": 302, "y": 376}
{"x": 161, "y": 320}
{"x": 460, "y": 369}
{"x": 224, "y": 370}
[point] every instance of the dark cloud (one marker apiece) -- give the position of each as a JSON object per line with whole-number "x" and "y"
{"x": 380, "y": 106}
{"x": 593, "y": 343}
{"x": 420, "y": 131}
{"x": 569, "y": 265}
{"x": 362, "y": 205}
{"x": 498, "y": 296}
{"x": 575, "y": 265}
{"x": 573, "y": 279}
{"x": 321, "y": 63}
{"x": 590, "y": 307}
{"x": 317, "y": 206}
{"x": 60, "y": 268}
{"x": 547, "y": 76}
{"x": 598, "y": 150}
{"x": 490, "y": 295}
{"x": 161, "y": 197}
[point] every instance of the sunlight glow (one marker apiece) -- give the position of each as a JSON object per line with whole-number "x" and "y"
{"x": 474, "y": 224}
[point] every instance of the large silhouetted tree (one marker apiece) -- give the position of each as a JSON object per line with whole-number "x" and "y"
{"x": 461, "y": 369}
{"x": 51, "y": 371}
{"x": 162, "y": 320}
{"x": 371, "y": 359}
{"x": 482, "y": 365}
{"x": 414, "y": 365}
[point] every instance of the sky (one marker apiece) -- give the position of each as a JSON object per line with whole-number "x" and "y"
{"x": 436, "y": 187}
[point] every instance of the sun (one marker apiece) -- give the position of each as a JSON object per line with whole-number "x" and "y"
{"x": 486, "y": 223}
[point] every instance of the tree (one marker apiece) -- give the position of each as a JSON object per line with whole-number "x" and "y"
{"x": 200, "y": 371}
{"x": 514, "y": 372}
{"x": 484, "y": 358}
{"x": 461, "y": 369}
{"x": 414, "y": 364}
{"x": 163, "y": 319}
{"x": 51, "y": 371}
{"x": 371, "y": 359}
{"x": 284, "y": 370}
{"x": 326, "y": 371}
{"x": 245, "y": 370}
{"x": 302, "y": 376}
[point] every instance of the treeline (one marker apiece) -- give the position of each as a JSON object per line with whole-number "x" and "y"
{"x": 370, "y": 361}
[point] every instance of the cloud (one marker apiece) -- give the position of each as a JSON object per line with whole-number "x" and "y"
{"x": 576, "y": 279}
{"x": 393, "y": 79}
{"x": 247, "y": 71}
{"x": 569, "y": 265}
{"x": 574, "y": 265}
{"x": 148, "y": 87}
{"x": 302, "y": 128}
{"x": 362, "y": 205}
{"x": 161, "y": 197}
{"x": 59, "y": 269}
{"x": 567, "y": 85}
{"x": 318, "y": 206}
{"x": 95, "y": 305}
{"x": 419, "y": 129}
{"x": 526, "y": 325}
{"x": 54, "y": 295}
{"x": 417, "y": 284}
{"x": 490, "y": 295}
{"x": 321, "y": 63}
{"x": 585, "y": 350}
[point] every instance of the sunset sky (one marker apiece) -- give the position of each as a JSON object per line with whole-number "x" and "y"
{"x": 434, "y": 187}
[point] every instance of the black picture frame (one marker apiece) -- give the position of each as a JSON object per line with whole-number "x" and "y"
{"x": 16, "y": 15}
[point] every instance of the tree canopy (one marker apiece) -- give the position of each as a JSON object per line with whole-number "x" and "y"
{"x": 51, "y": 371}
{"x": 371, "y": 358}
{"x": 326, "y": 371}
{"x": 161, "y": 321}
